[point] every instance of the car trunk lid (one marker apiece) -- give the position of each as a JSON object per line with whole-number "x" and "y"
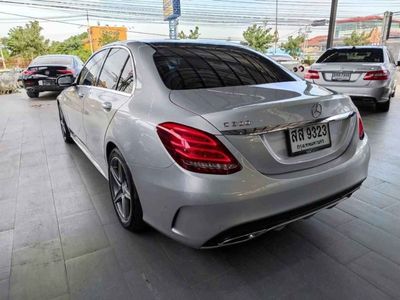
{"x": 345, "y": 73}
{"x": 51, "y": 71}
{"x": 255, "y": 120}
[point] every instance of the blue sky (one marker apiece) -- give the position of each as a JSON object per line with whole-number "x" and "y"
{"x": 216, "y": 18}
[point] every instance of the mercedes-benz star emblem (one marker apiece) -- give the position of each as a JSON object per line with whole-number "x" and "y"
{"x": 316, "y": 110}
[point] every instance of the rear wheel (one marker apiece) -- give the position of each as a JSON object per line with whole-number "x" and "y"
{"x": 123, "y": 193}
{"x": 64, "y": 128}
{"x": 383, "y": 106}
{"x": 32, "y": 93}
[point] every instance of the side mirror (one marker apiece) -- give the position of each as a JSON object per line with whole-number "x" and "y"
{"x": 398, "y": 63}
{"x": 65, "y": 80}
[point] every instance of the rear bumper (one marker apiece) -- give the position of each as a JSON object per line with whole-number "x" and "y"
{"x": 248, "y": 231}
{"x": 46, "y": 88}
{"x": 204, "y": 211}
{"x": 33, "y": 85}
{"x": 369, "y": 94}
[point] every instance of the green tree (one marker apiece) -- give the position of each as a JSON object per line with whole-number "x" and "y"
{"x": 108, "y": 37}
{"x": 259, "y": 37}
{"x": 293, "y": 45}
{"x": 73, "y": 45}
{"x": 193, "y": 34}
{"x": 357, "y": 39}
{"x": 27, "y": 41}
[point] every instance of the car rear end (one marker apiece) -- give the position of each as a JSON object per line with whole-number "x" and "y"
{"x": 360, "y": 72}
{"x": 270, "y": 148}
{"x": 41, "y": 75}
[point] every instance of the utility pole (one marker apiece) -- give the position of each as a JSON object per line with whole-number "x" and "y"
{"x": 2, "y": 57}
{"x": 173, "y": 29}
{"x": 276, "y": 25}
{"x": 332, "y": 23}
{"x": 89, "y": 32}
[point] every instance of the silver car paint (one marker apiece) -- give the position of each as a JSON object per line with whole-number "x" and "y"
{"x": 192, "y": 207}
{"x": 380, "y": 90}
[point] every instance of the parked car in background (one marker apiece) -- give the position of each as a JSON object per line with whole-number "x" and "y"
{"x": 288, "y": 62}
{"x": 210, "y": 143}
{"x": 365, "y": 73}
{"x": 42, "y": 73}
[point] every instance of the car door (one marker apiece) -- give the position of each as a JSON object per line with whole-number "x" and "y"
{"x": 74, "y": 100}
{"x": 114, "y": 87}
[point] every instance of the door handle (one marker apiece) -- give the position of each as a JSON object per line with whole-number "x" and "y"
{"x": 106, "y": 106}
{"x": 80, "y": 95}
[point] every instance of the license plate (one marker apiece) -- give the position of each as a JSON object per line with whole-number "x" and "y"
{"x": 308, "y": 139}
{"x": 341, "y": 76}
{"x": 46, "y": 82}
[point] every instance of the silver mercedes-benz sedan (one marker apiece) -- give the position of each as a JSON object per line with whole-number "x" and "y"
{"x": 211, "y": 143}
{"x": 366, "y": 73}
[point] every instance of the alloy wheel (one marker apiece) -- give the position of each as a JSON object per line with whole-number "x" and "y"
{"x": 120, "y": 190}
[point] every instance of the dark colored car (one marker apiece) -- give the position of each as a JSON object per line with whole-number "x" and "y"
{"x": 42, "y": 73}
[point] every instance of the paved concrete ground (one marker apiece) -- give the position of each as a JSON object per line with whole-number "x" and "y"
{"x": 59, "y": 236}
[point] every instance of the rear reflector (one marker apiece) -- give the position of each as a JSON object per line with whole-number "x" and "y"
{"x": 311, "y": 74}
{"x": 377, "y": 75}
{"x": 196, "y": 150}
{"x": 361, "y": 132}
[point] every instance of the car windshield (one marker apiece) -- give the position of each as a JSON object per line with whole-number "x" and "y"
{"x": 194, "y": 66}
{"x": 52, "y": 60}
{"x": 352, "y": 55}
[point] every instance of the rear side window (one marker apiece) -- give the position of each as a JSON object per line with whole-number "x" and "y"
{"x": 191, "y": 66}
{"x": 112, "y": 68}
{"x": 352, "y": 55}
{"x": 53, "y": 60}
{"x": 127, "y": 78}
{"x": 92, "y": 68}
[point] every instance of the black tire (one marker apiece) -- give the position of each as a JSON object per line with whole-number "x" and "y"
{"x": 32, "y": 93}
{"x": 64, "y": 128}
{"x": 120, "y": 182}
{"x": 383, "y": 106}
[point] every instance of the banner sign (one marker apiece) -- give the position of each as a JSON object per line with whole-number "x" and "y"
{"x": 172, "y": 9}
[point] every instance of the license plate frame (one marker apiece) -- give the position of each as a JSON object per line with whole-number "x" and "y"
{"x": 46, "y": 82}
{"x": 314, "y": 140}
{"x": 341, "y": 76}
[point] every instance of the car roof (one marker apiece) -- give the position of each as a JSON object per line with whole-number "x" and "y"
{"x": 358, "y": 47}
{"x": 155, "y": 42}
{"x": 56, "y": 55}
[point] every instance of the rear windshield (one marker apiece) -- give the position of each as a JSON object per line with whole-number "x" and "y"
{"x": 368, "y": 55}
{"x": 52, "y": 60}
{"x": 183, "y": 66}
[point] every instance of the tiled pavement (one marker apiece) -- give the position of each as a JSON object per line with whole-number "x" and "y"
{"x": 60, "y": 239}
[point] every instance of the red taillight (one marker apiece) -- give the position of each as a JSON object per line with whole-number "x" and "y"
{"x": 311, "y": 74}
{"x": 67, "y": 71}
{"x": 377, "y": 75}
{"x": 361, "y": 132}
{"x": 28, "y": 72}
{"x": 196, "y": 150}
